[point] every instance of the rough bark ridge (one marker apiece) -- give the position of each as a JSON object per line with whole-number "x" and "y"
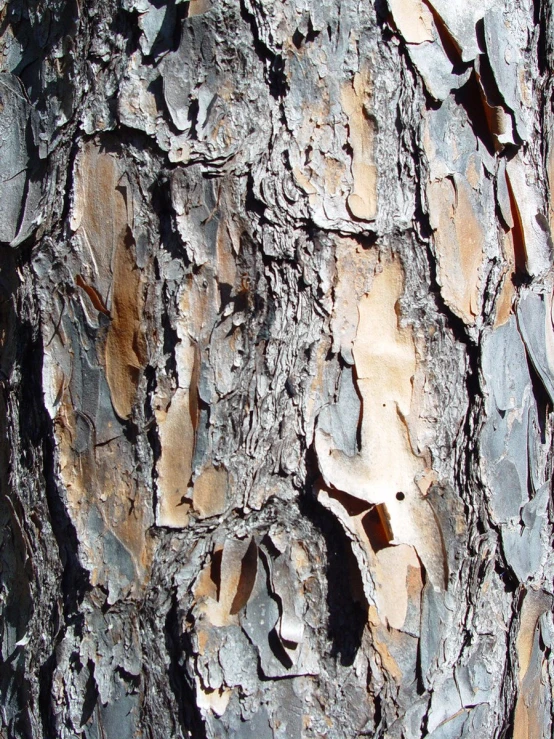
{"x": 277, "y": 368}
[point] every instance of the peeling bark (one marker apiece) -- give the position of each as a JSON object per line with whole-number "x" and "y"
{"x": 276, "y": 369}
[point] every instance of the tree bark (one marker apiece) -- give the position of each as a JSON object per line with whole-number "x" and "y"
{"x": 277, "y": 369}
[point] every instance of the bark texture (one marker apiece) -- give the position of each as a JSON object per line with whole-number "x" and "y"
{"x": 276, "y": 369}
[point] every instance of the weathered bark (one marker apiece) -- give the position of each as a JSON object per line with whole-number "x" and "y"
{"x": 277, "y": 368}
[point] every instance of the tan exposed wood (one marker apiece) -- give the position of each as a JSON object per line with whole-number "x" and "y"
{"x": 177, "y": 435}
{"x": 528, "y": 720}
{"x": 125, "y": 344}
{"x": 210, "y": 491}
{"x": 385, "y": 360}
{"x": 459, "y": 240}
{"x": 355, "y": 99}
{"x": 413, "y": 19}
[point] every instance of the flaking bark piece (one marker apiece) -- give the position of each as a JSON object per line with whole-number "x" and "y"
{"x": 445, "y": 704}
{"x": 498, "y": 118}
{"x": 386, "y": 470}
{"x": 503, "y": 195}
{"x": 398, "y": 587}
{"x": 460, "y": 18}
{"x": 286, "y": 587}
{"x": 391, "y": 575}
{"x": 102, "y": 221}
{"x": 503, "y": 441}
{"x": 157, "y": 25}
{"x": 225, "y": 585}
{"x": 475, "y": 677}
{"x": 523, "y": 545}
{"x": 125, "y": 345}
{"x": 210, "y": 491}
{"x": 416, "y": 24}
{"x": 343, "y": 417}
{"x": 177, "y": 433}
{"x": 535, "y": 603}
{"x": 531, "y": 712}
{"x": 503, "y": 57}
{"x": 362, "y": 201}
{"x": 96, "y": 465}
{"x": 460, "y": 242}
{"x": 527, "y": 211}
{"x": 504, "y": 305}
{"x": 413, "y": 20}
{"x": 178, "y": 77}
{"x": 99, "y": 217}
{"x": 536, "y": 326}
{"x": 260, "y": 622}
{"x": 435, "y": 69}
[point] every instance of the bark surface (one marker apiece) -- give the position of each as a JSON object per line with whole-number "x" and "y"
{"x": 276, "y": 369}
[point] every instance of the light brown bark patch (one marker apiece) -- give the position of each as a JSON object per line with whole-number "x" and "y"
{"x": 459, "y": 240}
{"x": 226, "y": 264}
{"x": 177, "y": 420}
{"x": 362, "y": 201}
{"x": 125, "y": 345}
{"x": 198, "y": 7}
{"x": 386, "y": 470}
{"x": 99, "y": 215}
{"x": 355, "y": 267}
{"x": 393, "y": 564}
{"x": 237, "y": 567}
{"x": 507, "y": 293}
{"x": 413, "y": 20}
{"x": 100, "y": 486}
{"x": 176, "y": 434}
{"x": 210, "y": 491}
{"x": 527, "y": 717}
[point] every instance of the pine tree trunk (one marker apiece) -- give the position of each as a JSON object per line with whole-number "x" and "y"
{"x": 276, "y": 368}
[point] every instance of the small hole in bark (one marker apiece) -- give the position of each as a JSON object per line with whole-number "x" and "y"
{"x": 400, "y": 496}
